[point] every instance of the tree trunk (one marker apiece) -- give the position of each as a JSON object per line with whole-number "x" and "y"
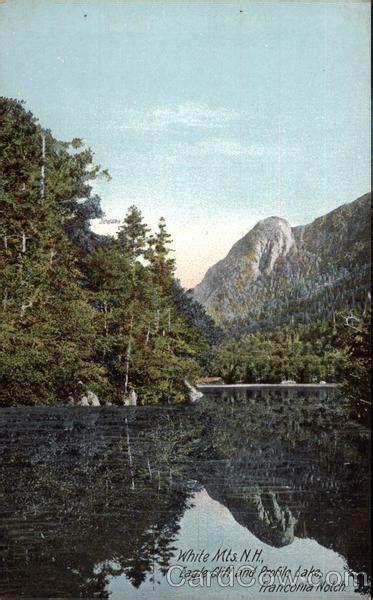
{"x": 147, "y": 336}
{"x": 5, "y": 298}
{"x": 105, "y": 317}
{"x": 157, "y": 319}
{"x": 51, "y": 257}
{"x": 149, "y": 469}
{"x": 130, "y": 455}
{"x": 42, "y": 182}
{"x": 128, "y": 356}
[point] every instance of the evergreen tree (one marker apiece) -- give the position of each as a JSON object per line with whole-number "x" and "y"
{"x": 132, "y": 242}
{"x": 162, "y": 266}
{"x": 147, "y": 345}
{"x": 354, "y": 334}
{"x": 132, "y": 235}
{"x": 172, "y": 344}
{"x": 46, "y": 324}
{"x": 129, "y": 335}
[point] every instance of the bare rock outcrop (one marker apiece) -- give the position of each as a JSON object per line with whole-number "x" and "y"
{"x": 277, "y": 271}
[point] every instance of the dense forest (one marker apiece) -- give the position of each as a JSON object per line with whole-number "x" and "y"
{"x": 335, "y": 350}
{"x": 81, "y": 311}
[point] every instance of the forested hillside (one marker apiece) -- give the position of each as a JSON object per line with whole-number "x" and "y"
{"x": 81, "y": 311}
{"x": 277, "y": 275}
{"x": 78, "y": 310}
{"x": 294, "y": 303}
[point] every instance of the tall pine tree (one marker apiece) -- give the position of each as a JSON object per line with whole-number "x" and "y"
{"x": 47, "y": 333}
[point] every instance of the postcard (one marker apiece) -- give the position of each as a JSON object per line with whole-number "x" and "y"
{"x": 185, "y": 299}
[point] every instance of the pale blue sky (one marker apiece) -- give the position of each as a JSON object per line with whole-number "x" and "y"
{"x": 212, "y": 117}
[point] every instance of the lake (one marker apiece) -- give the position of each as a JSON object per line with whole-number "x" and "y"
{"x": 222, "y": 499}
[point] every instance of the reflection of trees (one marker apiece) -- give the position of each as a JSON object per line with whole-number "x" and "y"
{"x": 88, "y": 495}
{"x": 72, "y": 516}
{"x": 291, "y": 465}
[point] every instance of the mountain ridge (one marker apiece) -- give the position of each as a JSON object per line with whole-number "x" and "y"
{"x": 276, "y": 268}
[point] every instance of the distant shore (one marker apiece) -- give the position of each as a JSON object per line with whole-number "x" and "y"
{"x": 204, "y": 386}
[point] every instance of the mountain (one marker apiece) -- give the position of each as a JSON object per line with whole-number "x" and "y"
{"x": 278, "y": 274}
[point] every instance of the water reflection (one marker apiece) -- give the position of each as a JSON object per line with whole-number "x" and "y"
{"x": 219, "y": 533}
{"x": 96, "y": 502}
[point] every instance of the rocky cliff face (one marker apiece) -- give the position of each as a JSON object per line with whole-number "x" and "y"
{"x": 276, "y": 272}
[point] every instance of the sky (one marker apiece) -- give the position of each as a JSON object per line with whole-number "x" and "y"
{"x": 213, "y": 114}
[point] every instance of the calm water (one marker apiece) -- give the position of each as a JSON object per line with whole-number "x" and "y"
{"x": 99, "y": 503}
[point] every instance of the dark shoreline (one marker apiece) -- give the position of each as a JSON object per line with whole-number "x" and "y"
{"x": 281, "y": 386}
{"x": 201, "y": 387}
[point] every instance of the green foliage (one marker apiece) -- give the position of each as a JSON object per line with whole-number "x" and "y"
{"x": 354, "y": 334}
{"x": 47, "y": 335}
{"x": 302, "y": 353}
{"x": 108, "y": 320}
{"x": 132, "y": 235}
{"x": 112, "y": 315}
{"x": 145, "y": 341}
{"x": 335, "y": 351}
{"x": 206, "y": 331}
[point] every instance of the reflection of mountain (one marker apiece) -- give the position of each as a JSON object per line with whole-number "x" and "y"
{"x": 325, "y": 502}
{"x": 284, "y": 478}
{"x": 255, "y": 502}
{"x": 260, "y": 512}
{"x": 92, "y": 493}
